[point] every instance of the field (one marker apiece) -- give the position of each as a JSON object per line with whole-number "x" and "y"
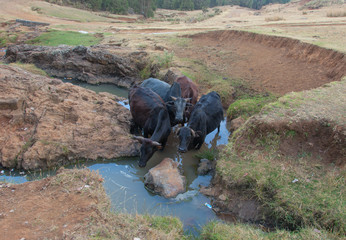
{"x": 284, "y": 63}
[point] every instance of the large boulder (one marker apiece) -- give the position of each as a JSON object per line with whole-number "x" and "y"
{"x": 45, "y": 122}
{"x": 90, "y": 64}
{"x": 165, "y": 179}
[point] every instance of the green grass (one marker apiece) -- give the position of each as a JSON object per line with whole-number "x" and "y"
{"x": 220, "y": 231}
{"x": 247, "y": 107}
{"x": 30, "y": 68}
{"x": 315, "y": 200}
{"x": 6, "y": 38}
{"x": 210, "y": 154}
{"x": 55, "y": 38}
{"x": 267, "y": 154}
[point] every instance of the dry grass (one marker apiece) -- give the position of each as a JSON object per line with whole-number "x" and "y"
{"x": 274, "y": 18}
{"x": 337, "y": 13}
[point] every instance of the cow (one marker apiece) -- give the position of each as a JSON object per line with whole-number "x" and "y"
{"x": 149, "y": 113}
{"x": 172, "y": 97}
{"x": 188, "y": 90}
{"x": 206, "y": 116}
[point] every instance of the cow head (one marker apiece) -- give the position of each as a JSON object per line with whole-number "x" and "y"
{"x": 148, "y": 148}
{"x": 186, "y": 136}
{"x": 179, "y": 107}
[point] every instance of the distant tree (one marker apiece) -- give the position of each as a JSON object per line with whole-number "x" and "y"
{"x": 187, "y": 5}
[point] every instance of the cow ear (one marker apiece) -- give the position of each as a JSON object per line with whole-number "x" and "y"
{"x": 189, "y": 104}
{"x": 170, "y": 103}
{"x": 139, "y": 139}
{"x": 174, "y": 98}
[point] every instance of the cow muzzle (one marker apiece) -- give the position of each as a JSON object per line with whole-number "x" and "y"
{"x": 183, "y": 150}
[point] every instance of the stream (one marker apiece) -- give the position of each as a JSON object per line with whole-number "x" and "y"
{"x": 124, "y": 180}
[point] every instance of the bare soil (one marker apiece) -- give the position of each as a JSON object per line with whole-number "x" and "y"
{"x": 46, "y": 209}
{"x": 39, "y": 210}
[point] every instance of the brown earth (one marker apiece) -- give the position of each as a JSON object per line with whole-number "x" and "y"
{"x": 47, "y": 123}
{"x": 275, "y": 64}
{"x": 52, "y": 208}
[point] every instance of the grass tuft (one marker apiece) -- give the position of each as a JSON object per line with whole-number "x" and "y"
{"x": 248, "y": 106}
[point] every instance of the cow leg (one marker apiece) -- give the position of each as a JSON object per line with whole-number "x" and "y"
{"x": 218, "y": 128}
{"x": 134, "y": 128}
{"x": 163, "y": 144}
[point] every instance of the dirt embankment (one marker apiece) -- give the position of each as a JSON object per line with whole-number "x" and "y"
{"x": 46, "y": 123}
{"x": 269, "y": 63}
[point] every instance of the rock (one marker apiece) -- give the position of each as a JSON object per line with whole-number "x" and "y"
{"x": 236, "y": 123}
{"x": 208, "y": 191}
{"x": 90, "y": 64}
{"x": 171, "y": 75}
{"x": 205, "y": 166}
{"x": 223, "y": 197}
{"x": 56, "y": 123}
{"x": 165, "y": 179}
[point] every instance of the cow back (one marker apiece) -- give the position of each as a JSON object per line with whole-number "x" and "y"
{"x": 143, "y": 104}
{"x": 211, "y": 105}
{"x": 188, "y": 88}
{"x": 158, "y": 86}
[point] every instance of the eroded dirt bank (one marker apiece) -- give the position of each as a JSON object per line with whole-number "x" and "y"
{"x": 276, "y": 64}
{"x": 45, "y": 122}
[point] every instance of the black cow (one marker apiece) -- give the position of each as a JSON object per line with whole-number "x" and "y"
{"x": 149, "y": 113}
{"x": 205, "y": 117}
{"x": 172, "y": 97}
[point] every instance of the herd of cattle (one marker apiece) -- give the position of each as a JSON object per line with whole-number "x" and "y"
{"x": 157, "y": 106}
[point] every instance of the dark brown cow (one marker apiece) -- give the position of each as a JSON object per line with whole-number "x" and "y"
{"x": 149, "y": 113}
{"x": 188, "y": 90}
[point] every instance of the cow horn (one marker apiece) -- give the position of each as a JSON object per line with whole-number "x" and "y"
{"x": 156, "y": 144}
{"x": 177, "y": 131}
{"x": 174, "y": 98}
{"x": 138, "y": 138}
{"x": 187, "y": 99}
{"x": 193, "y": 133}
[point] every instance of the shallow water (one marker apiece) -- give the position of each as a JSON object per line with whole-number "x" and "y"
{"x": 124, "y": 180}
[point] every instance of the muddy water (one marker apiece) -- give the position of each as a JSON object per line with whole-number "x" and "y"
{"x": 124, "y": 179}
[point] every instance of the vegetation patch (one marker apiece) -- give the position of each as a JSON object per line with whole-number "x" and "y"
{"x": 30, "y": 68}
{"x": 210, "y": 154}
{"x": 290, "y": 157}
{"x": 221, "y": 231}
{"x": 229, "y": 89}
{"x": 274, "y": 18}
{"x": 247, "y": 107}
{"x": 337, "y": 13}
{"x": 7, "y": 38}
{"x": 56, "y": 38}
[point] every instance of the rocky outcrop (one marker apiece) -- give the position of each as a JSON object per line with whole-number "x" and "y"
{"x": 90, "y": 64}
{"x": 45, "y": 122}
{"x": 165, "y": 179}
